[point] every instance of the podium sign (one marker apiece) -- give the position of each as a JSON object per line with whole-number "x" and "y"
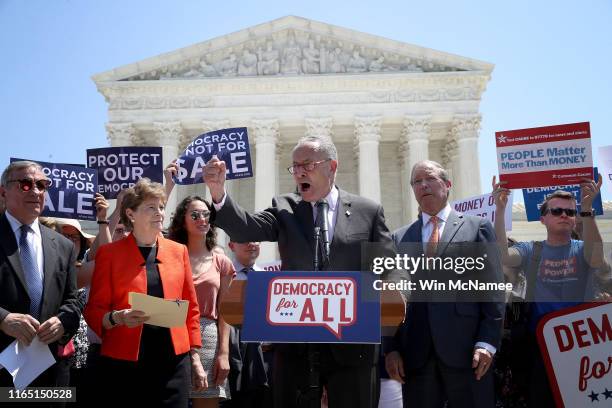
{"x": 311, "y": 307}
{"x": 577, "y": 347}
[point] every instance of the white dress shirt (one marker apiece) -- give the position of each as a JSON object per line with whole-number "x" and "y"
{"x": 34, "y": 240}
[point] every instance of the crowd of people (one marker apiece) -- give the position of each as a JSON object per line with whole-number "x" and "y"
{"x": 71, "y": 290}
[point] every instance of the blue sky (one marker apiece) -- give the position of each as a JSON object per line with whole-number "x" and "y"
{"x": 552, "y": 58}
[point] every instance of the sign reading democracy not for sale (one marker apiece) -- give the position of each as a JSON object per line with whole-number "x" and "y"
{"x": 484, "y": 206}
{"x": 229, "y": 145}
{"x": 72, "y": 190}
{"x": 576, "y": 344}
{"x": 545, "y": 156}
{"x": 121, "y": 167}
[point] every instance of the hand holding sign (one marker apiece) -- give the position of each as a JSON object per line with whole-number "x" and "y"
{"x": 500, "y": 194}
{"x": 101, "y": 207}
{"x": 588, "y": 191}
{"x": 214, "y": 177}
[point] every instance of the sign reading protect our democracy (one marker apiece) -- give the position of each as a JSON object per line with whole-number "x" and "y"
{"x": 605, "y": 162}
{"x": 544, "y": 156}
{"x": 577, "y": 347}
{"x": 337, "y": 307}
{"x": 122, "y": 167}
{"x": 71, "y": 194}
{"x": 534, "y": 197}
{"x": 484, "y": 206}
{"x": 229, "y": 145}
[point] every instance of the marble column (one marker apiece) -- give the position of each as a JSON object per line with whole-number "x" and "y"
{"x": 465, "y": 129}
{"x": 367, "y": 137}
{"x": 319, "y": 126}
{"x": 450, "y": 161}
{"x": 208, "y": 125}
{"x": 120, "y": 134}
{"x": 266, "y": 135}
{"x": 168, "y": 135}
{"x": 414, "y": 147}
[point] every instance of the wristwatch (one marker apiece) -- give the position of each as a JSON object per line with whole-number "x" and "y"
{"x": 102, "y": 222}
{"x": 590, "y": 213}
{"x": 110, "y": 318}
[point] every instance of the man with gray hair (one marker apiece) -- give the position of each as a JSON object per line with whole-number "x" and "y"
{"x": 38, "y": 292}
{"x": 348, "y": 371}
{"x": 443, "y": 350}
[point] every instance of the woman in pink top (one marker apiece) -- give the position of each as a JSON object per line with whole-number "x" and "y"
{"x": 212, "y": 276}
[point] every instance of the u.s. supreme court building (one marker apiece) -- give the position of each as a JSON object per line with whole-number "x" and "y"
{"x": 386, "y": 104}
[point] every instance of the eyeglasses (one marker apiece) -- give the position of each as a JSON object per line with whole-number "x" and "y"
{"x": 27, "y": 184}
{"x": 570, "y": 212}
{"x": 306, "y": 166}
{"x": 195, "y": 215}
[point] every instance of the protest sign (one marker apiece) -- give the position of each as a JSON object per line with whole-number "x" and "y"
{"x": 71, "y": 194}
{"x": 229, "y": 145}
{"x": 122, "y": 167}
{"x": 544, "y": 156}
{"x": 484, "y": 206}
{"x": 534, "y": 197}
{"x": 576, "y": 344}
{"x": 306, "y": 307}
{"x": 605, "y": 162}
{"x": 271, "y": 266}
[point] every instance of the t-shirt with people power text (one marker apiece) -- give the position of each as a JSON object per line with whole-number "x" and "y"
{"x": 564, "y": 277}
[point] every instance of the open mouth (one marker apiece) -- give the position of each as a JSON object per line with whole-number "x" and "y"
{"x": 304, "y": 187}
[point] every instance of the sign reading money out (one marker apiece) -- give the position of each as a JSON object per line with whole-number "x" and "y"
{"x": 544, "y": 156}
{"x": 229, "y": 145}
{"x": 335, "y": 307}
{"x": 71, "y": 194}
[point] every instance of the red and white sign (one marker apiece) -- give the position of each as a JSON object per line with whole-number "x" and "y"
{"x": 327, "y": 302}
{"x": 545, "y": 156}
{"x": 577, "y": 347}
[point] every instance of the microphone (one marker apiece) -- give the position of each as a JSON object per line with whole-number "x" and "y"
{"x": 322, "y": 212}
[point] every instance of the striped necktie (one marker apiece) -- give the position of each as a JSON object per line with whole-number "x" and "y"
{"x": 33, "y": 276}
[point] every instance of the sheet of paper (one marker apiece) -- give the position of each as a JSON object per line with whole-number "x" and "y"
{"x": 25, "y": 363}
{"x": 161, "y": 312}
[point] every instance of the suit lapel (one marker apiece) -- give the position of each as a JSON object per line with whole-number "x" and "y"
{"x": 49, "y": 261}
{"x": 343, "y": 219}
{"x": 11, "y": 249}
{"x": 304, "y": 215}
{"x": 453, "y": 224}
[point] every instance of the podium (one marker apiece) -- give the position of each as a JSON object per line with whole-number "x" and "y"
{"x": 392, "y": 308}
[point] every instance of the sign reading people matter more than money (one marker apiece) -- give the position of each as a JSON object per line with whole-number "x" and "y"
{"x": 122, "y": 167}
{"x": 534, "y": 198}
{"x": 71, "y": 194}
{"x": 307, "y": 307}
{"x": 605, "y": 162}
{"x": 229, "y": 145}
{"x": 544, "y": 156}
{"x": 576, "y": 344}
{"x": 484, "y": 206}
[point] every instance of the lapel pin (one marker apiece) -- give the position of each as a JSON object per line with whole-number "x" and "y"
{"x": 347, "y": 213}
{"x": 455, "y": 223}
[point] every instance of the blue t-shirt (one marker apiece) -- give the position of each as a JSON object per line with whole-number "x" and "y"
{"x": 563, "y": 277}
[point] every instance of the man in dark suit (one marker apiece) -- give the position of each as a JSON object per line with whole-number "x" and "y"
{"x": 38, "y": 293}
{"x": 348, "y": 371}
{"x": 444, "y": 348}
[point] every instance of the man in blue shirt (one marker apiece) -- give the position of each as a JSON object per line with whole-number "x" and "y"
{"x": 566, "y": 268}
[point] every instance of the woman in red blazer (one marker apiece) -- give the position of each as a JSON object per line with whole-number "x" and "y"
{"x": 151, "y": 362}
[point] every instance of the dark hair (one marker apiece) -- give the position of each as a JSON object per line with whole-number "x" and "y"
{"x": 177, "y": 231}
{"x": 565, "y": 195}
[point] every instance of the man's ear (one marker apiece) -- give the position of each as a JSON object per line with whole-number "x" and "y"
{"x": 334, "y": 165}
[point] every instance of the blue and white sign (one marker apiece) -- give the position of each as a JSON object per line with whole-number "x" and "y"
{"x": 121, "y": 167}
{"x": 310, "y": 307}
{"x": 71, "y": 194}
{"x": 229, "y": 145}
{"x": 534, "y": 197}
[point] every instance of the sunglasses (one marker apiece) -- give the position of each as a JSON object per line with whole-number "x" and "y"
{"x": 570, "y": 212}
{"x": 26, "y": 185}
{"x": 195, "y": 215}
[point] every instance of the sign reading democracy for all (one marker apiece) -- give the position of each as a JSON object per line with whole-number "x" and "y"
{"x": 229, "y": 145}
{"x": 71, "y": 194}
{"x": 484, "y": 206}
{"x": 577, "y": 347}
{"x": 605, "y": 162}
{"x": 121, "y": 167}
{"x": 534, "y": 197}
{"x": 311, "y": 307}
{"x": 545, "y": 156}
